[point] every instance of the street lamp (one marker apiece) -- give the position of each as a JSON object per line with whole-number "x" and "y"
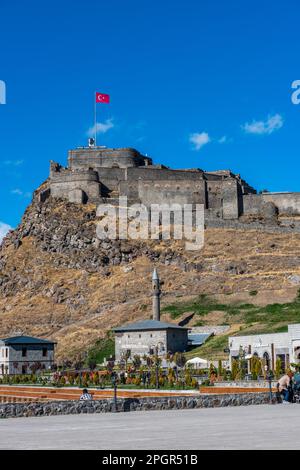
{"x": 156, "y": 368}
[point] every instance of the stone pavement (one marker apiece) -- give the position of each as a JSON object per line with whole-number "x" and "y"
{"x": 243, "y": 427}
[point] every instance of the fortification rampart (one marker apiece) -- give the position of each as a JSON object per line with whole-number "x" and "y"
{"x": 287, "y": 203}
{"x": 107, "y": 158}
{"x": 100, "y": 174}
{"x": 171, "y": 191}
{"x": 77, "y": 186}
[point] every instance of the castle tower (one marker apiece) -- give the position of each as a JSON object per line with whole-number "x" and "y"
{"x": 156, "y": 295}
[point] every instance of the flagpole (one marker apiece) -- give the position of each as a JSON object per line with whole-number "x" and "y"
{"x": 95, "y": 117}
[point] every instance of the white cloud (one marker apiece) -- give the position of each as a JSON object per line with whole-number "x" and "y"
{"x": 100, "y": 127}
{"x": 223, "y": 140}
{"x": 199, "y": 139}
{"x": 13, "y": 162}
{"x": 270, "y": 125}
{"x": 4, "y": 228}
{"x": 19, "y": 192}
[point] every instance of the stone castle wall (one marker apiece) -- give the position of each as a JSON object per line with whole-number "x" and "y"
{"x": 77, "y": 186}
{"x": 101, "y": 175}
{"x": 170, "y": 191}
{"x": 287, "y": 203}
{"x": 107, "y": 158}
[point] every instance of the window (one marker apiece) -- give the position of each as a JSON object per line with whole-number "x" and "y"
{"x": 45, "y": 350}
{"x": 24, "y": 369}
{"x": 6, "y": 352}
{"x": 140, "y": 336}
{"x": 24, "y": 352}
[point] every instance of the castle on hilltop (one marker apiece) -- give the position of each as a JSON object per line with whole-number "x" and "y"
{"x": 102, "y": 175}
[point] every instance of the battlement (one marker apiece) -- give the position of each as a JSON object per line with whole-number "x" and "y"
{"x": 99, "y": 157}
{"x": 61, "y": 174}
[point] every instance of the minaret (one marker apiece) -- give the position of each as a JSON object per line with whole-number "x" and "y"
{"x": 156, "y": 295}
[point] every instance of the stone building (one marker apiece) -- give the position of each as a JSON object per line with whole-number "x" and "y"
{"x": 150, "y": 336}
{"x": 269, "y": 347}
{"x": 20, "y": 354}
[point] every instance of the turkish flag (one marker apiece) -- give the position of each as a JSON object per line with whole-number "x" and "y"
{"x": 102, "y": 98}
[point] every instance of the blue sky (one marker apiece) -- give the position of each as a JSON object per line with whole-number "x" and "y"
{"x": 192, "y": 84}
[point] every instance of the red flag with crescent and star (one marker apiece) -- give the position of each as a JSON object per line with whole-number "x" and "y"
{"x": 102, "y": 98}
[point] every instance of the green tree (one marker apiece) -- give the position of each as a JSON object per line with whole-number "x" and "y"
{"x": 125, "y": 357}
{"x": 92, "y": 364}
{"x": 188, "y": 377}
{"x": 235, "y": 367}
{"x": 220, "y": 368}
{"x": 255, "y": 367}
{"x": 278, "y": 368}
{"x": 179, "y": 359}
{"x": 136, "y": 361}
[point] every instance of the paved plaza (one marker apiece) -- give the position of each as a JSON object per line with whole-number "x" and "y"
{"x": 248, "y": 427}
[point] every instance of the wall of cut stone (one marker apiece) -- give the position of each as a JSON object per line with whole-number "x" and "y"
{"x": 230, "y": 199}
{"x": 177, "y": 340}
{"x": 75, "y": 186}
{"x": 111, "y": 178}
{"x": 155, "y": 174}
{"x": 105, "y": 157}
{"x": 171, "y": 192}
{"x": 214, "y": 195}
{"x": 101, "y": 172}
{"x": 34, "y": 354}
{"x": 287, "y": 203}
{"x": 16, "y": 410}
{"x": 138, "y": 342}
{"x": 253, "y": 204}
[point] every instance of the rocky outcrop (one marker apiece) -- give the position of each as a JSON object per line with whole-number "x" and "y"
{"x": 68, "y": 232}
{"x": 58, "y": 281}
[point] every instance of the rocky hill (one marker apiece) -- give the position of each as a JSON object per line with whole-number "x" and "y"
{"x": 58, "y": 281}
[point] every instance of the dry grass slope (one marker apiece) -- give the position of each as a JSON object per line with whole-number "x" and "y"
{"x": 76, "y": 306}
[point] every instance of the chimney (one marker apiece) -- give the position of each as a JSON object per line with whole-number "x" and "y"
{"x": 156, "y": 295}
